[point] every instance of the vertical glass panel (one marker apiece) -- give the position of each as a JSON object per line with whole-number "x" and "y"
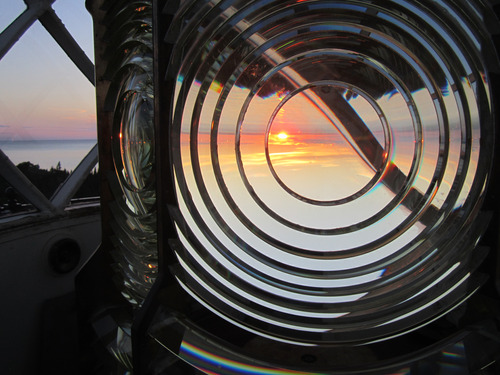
{"x": 59, "y": 153}
{"x": 78, "y": 21}
{"x": 47, "y": 110}
{"x": 131, "y": 89}
{"x": 43, "y": 95}
{"x": 11, "y": 12}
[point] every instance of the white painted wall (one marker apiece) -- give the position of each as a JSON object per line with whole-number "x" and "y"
{"x": 27, "y": 281}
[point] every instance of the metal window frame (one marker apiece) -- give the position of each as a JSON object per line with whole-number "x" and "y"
{"x": 41, "y": 10}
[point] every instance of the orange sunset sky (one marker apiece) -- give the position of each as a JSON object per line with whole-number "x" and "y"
{"x": 43, "y": 95}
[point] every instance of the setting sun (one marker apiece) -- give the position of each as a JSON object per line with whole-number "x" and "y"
{"x": 282, "y": 136}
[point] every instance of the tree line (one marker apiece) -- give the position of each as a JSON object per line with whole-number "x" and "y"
{"x": 47, "y": 181}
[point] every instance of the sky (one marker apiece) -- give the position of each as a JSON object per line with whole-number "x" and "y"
{"x": 43, "y": 95}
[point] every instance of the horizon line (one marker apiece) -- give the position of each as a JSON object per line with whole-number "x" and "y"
{"x": 48, "y": 139}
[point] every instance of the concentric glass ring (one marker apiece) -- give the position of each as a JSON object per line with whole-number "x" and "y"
{"x": 330, "y": 158}
{"x": 278, "y": 138}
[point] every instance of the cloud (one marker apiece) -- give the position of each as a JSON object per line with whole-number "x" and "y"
{"x": 4, "y": 126}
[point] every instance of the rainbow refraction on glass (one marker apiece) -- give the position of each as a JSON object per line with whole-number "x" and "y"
{"x": 329, "y": 161}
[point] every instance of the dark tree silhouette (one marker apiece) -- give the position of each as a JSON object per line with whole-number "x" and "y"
{"x": 47, "y": 181}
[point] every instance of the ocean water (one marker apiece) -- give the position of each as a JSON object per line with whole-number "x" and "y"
{"x": 48, "y": 153}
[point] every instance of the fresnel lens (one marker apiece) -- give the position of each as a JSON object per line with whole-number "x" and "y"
{"x": 124, "y": 71}
{"x": 329, "y": 160}
{"x": 322, "y": 169}
{"x": 132, "y": 144}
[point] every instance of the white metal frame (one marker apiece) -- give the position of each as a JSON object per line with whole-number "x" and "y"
{"x": 42, "y": 11}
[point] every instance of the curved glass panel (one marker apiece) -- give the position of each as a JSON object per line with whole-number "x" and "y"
{"x": 329, "y": 159}
{"x": 131, "y": 94}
